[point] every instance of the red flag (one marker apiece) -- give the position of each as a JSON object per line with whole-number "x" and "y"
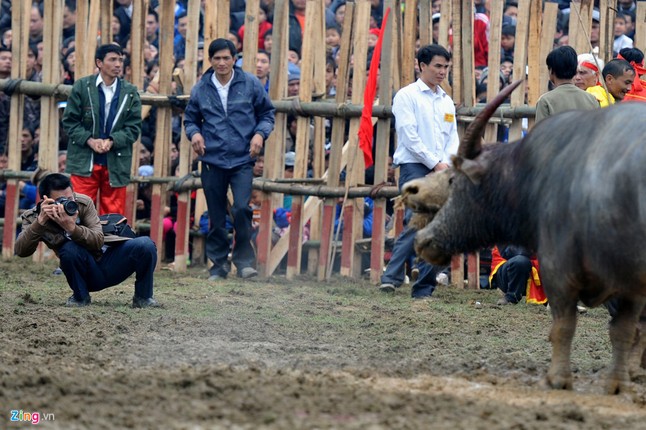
{"x": 365, "y": 126}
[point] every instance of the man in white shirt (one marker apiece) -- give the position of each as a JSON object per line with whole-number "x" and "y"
{"x": 426, "y": 138}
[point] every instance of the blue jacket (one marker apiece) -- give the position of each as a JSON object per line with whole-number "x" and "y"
{"x": 227, "y": 136}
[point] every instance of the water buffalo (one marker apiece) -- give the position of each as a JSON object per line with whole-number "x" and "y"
{"x": 573, "y": 190}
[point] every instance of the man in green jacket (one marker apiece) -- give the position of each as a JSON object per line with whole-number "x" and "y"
{"x": 103, "y": 120}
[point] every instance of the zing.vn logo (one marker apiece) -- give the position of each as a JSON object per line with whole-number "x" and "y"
{"x": 32, "y": 417}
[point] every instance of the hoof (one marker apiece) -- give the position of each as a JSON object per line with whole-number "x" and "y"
{"x": 559, "y": 382}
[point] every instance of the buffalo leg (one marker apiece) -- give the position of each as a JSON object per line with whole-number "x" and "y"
{"x": 623, "y": 333}
{"x": 563, "y": 326}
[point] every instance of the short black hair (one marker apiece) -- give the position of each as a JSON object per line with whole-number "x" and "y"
{"x": 221, "y": 44}
{"x": 5, "y": 49}
{"x": 632, "y": 54}
{"x": 71, "y": 5}
{"x": 53, "y": 182}
{"x": 562, "y": 61}
{"x": 155, "y": 14}
{"x": 426, "y": 53}
{"x": 616, "y": 68}
{"x": 104, "y": 50}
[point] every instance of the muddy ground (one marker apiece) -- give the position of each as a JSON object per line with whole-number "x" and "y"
{"x": 292, "y": 354}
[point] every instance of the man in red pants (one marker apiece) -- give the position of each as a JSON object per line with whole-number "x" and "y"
{"x": 103, "y": 120}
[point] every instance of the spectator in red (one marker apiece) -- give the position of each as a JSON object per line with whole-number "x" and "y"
{"x": 263, "y": 26}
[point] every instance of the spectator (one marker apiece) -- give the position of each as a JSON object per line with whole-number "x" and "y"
{"x": 621, "y": 40}
{"x": 293, "y": 82}
{"x": 62, "y": 161}
{"x": 69, "y": 19}
{"x": 6, "y": 37}
{"x": 103, "y": 120}
{"x": 27, "y": 150}
{"x": 227, "y": 119}
{"x": 124, "y": 15}
{"x": 269, "y": 39}
{"x": 618, "y": 76}
{"x": 588, "y": 71}
{"x": 333, "y": 38}
{"x": 36, "y": 24}
{"x": 296, "y": 24}
{"x": 152, "y": 28}
{"x": 516, "y": 273}
{"x": 507, "y": 41}
{"x": 263, "y": 26}
{"x": 562, "y": 65}
{"x": 636, "y": 59}
{"x": 69, "y": 66}
{"x": 263, "y": 68}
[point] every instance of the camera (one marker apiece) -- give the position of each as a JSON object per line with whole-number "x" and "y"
{"x": 69, "y": 206}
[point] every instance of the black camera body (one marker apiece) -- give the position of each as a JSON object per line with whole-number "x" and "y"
{"x": 69, "y": 206}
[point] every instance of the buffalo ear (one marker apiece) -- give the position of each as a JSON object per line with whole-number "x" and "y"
{"x": 473, "y": 169}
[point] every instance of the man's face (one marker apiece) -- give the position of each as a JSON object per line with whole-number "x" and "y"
{"x": 5, "y": 63}
{"x": 506, "y": 67}
{"x": 110, "y": 67}
{"x": 594, "y": 32}
{"x": 620, "y": 85}
{"x": 62, "y": 163}
{"x": 35, "y": 23}
{"x": 584, "y": 78}
{"x": 293, "y": 87}
{"x": 67, "y": 192}
{"x": 151, "y": 26}
{"x": 630, "y": 24}
{"x": 507, "y": 42}
{"x": 222, "y": 62}
{"x": 299, "y": 5}
{"x": 262, "y": 65}
{"x": 31, "y": 62}
{"x": 69, "y": 18}
{"x": 435, "y": 72}
{"x": 182, "y": 26}
{"x": 26, "y": 141}
{"x": 259, "y": 166}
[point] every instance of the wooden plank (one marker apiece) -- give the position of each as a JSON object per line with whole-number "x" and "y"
{"x": 473, "y": 271}
{"x": 535, "y": 62}
{"x": 275, "y": 144}
{"x": 409, "y": 39}
{"x": 640, "y": 26}
{"x": 458, "y": 54}
{"x": 312, "y": 17}
{"x": 580, "y": 25}
{"x": 216, "y": 21}
{"x": 250, "y": 42}
{"x": 81, "y": 36}
{"x": 457, "y": 270}
{"x": 607, "y": 15}
{"x": 353, "y": 209}
{"x": 548, "y": 27}
{"x": 159, "y": 197}
{"x": 425, "y": 23}
{"x": 20, "y": 15}
{"x": 382, "y": 143}
{"x": 493, "y": 85}
{"x": 443, "y": 37}
{"x": 336, "y": 151}
{"x": 468, "y": 62}
{"x": 106, "y": 22}
{"x": 185, "y": 151}
{"x": 520, "y": 62}
{"x": 137, "y": 79}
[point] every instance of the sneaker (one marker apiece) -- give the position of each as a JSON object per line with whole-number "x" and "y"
{"x": 138, "y": 302}
{"x": 248, "y": 272}
{"x": 442, "y": 279}
{"x": 581, "y": 309}
{"x": 57, "y": 271}
{"x": 387, "y": 287}
{"x": 216, "y": 278}
{"x": 73, "y": 302}
{"x": 414, "y": 274}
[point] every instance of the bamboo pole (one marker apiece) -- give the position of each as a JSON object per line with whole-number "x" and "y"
{"x": 520, "y": 62}
{"x": 250, "y": 42}
{"x": 302, "y": 137}
{"x": 336, "y": 151}
{"x": 548, "y": 28}
{"x": 409, "y": 39}
{"x": 493, "y": 83}
{"x": 275, "y": 144}
{"x": 80, "y": 38}
{"x": 458, "y": 56}
{"x": 355, "y": 171}
{"x": 468, "y": 62}
{"x": 607, "y": 13}
{"x": 382, "y": 143}
{"x": 106, "y": 22}
{"x": 425, "y": 23}
{"x": 535, "y": 62}
{"x": 20, "y": 15}
{"x": 185, "y": 151}
{"x": 640, "y": 26}
{"x": 159, "y": 197}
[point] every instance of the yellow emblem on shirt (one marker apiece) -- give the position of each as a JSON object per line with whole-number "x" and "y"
{"x": 449, "y": 117}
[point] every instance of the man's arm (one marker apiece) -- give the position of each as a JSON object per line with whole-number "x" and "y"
{"x": 73, "y": 116}
{"x": 30, "y": 235}
{"x": 265, "y": 112}
{"x": 193, "y": 115}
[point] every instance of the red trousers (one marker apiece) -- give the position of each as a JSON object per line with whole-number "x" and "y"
{"x": 110, "y": 200}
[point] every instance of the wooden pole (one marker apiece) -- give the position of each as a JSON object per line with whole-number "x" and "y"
{"x": 382, "y": 143}
{"x": 302, "y": 137}
{"x": 159, "y": 197}
{"x": 535, "y": 62}
{"x": 106, "y": 22}
{"x": 185, "y": 151}
{"x": 520, "y": 62}
{"x": 493, "y": 83}
{"x": 548, "y": 27}
{"x": 425, "y": 23}
{"x": 458, "y": 55}
{"x": 443, "y": 37}
{"x": 20, "y": 15}
{"x": 640, "y": 26}
{"x": 580, "y": 25}
{"x": 275, "y": 144}
{"x": 338, "y": 139}
{"x": 607, "y": 13}
{"x": 250, "y": 42}
{"x": 355, "y": 171}
{"x": 409, "y": 39}
{"x": 468, "y": 63}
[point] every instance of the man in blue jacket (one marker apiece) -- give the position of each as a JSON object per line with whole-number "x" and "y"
{"x": 228, "y": 118}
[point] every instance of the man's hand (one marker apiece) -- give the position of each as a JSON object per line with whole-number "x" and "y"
{"x": 95, "y": 144}
{"x": 106, "y": 145}
{"x": 43, "y": 216}
{"x": 256, "y": 145}
{"x": 57, "y": 213}
{"x": 440, "y": 166}
{"x": 197, "y": 142}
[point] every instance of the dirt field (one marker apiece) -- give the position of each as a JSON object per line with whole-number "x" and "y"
{"x": 301, "y": 354}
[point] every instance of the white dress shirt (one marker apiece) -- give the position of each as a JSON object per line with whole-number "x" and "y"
{"x": 426, "y": 127}
{"x": 108, "y": 92}
{"x": 223, "y": 90}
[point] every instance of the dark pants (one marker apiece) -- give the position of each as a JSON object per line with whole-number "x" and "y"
{"x": 85, "y": 274}
{"x": 512, "y": 277}
{"x": 404, "y": 248}
{"x": 216, "y": 182}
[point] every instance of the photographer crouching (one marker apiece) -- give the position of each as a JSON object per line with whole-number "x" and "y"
{"x": 68, "y": 223}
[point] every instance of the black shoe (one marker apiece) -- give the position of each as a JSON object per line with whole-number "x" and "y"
{"x": 247, "y": 272}
{"x": 73, "y": 302}
{"x": 138, "y": 302}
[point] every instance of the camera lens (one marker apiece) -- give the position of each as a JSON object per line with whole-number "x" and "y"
{"x": 71, "y": 207}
